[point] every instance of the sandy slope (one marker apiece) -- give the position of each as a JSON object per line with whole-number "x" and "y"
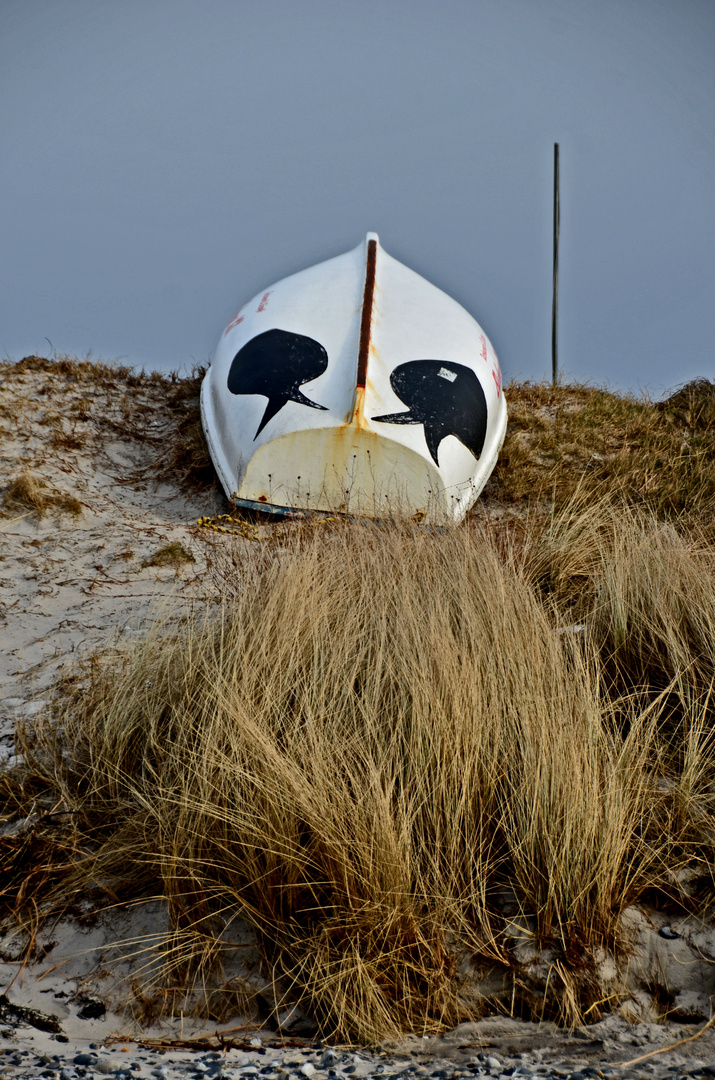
{"x": 69, "y": 582}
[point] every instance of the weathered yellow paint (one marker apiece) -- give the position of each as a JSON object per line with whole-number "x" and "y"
{"x": 349, "y": 469}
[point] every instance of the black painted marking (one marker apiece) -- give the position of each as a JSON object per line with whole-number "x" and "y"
{"x": 276, "y": 364}
{"x": 446, "y": 397}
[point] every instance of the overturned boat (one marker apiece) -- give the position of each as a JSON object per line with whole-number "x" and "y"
{"x": 356, "y": 387}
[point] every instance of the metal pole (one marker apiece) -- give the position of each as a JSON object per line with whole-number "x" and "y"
{"x": 555, "y": 302}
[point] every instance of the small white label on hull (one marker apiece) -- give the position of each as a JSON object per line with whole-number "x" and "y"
{"x": 450, "y": 376}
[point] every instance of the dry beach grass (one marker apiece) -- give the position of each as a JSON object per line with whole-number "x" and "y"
{"x": 431, "y": 769}
{"x": 564, "y": 439}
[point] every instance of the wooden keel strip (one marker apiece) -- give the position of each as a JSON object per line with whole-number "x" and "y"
{"x": 366, "y": 322}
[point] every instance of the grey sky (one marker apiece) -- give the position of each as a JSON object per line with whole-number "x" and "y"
{"x": 163, "y": 160}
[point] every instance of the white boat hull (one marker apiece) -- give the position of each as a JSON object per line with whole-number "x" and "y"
{"x": 355, "y": 387}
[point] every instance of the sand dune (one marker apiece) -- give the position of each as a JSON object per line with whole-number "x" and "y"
{"x": 97, "y": 538}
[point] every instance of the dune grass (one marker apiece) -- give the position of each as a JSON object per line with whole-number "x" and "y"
{"x": 395, "y": 752}
{"x": 564, "y": 439}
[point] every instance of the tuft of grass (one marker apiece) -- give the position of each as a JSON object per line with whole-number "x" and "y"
{"x": 183, "y": 457}
{"x": 30, "y": 492}
{"x": 653, "y": 616}
{"x": 385, "y": 733}
{"x": 172, "y": 554}
{"x": 27, "y": 492}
